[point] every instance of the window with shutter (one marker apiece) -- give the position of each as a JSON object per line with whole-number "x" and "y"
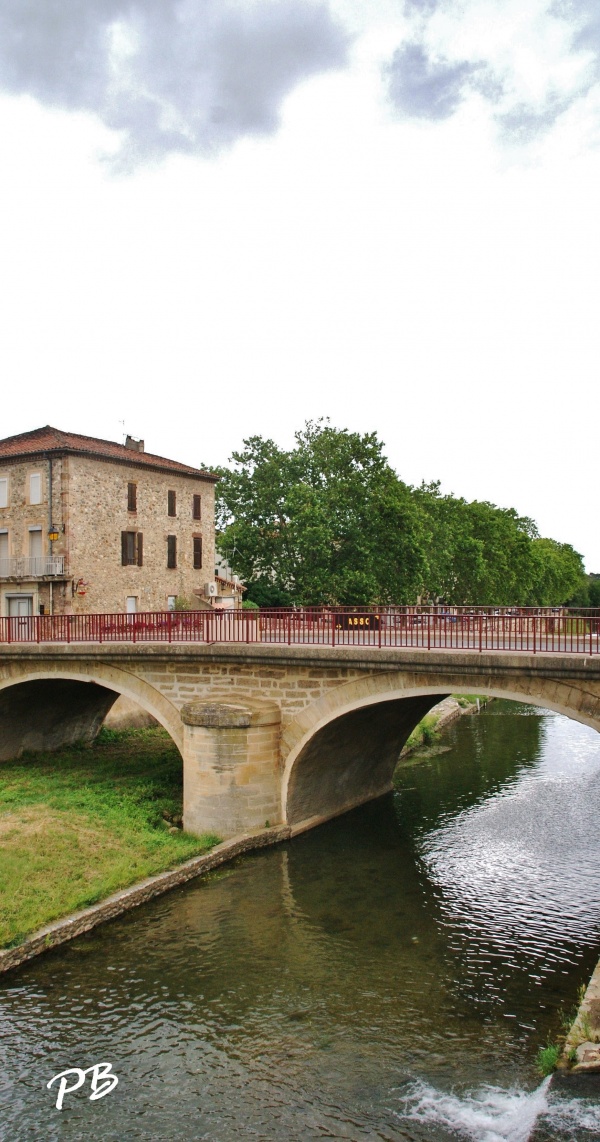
{"x": 140, "y": 549}
{"x": 197, "y": 552}
{"x": 4, "y": 492}
{"x": 171, "y": 551}
{"x": 128, "y": 548}
{"x": 132, "y": 497}
{"x": 197, "y": 508}
{"x": 172, "y": 503}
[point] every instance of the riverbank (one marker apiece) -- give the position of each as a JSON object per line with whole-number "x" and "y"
{"x": 581, "y": 1052}
{"x": 82, "y": 823}
{"x": 426, "y": 734}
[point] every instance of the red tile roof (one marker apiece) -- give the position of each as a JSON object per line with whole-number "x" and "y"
{"x": 53, "y": 440}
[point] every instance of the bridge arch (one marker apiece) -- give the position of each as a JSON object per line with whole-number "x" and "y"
{"x": 342, "y": 749}
{"x": 76, "y": 713}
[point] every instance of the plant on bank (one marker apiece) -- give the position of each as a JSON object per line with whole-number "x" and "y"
{"x": 547, "y": 1058}
{"x": 425, "y": 733}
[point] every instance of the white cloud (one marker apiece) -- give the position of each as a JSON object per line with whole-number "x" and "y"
{"x": 187, "y": 76}
{"x": 528, "y": 62}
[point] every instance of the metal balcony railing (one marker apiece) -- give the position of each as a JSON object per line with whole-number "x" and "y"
{"x": 31, "y": 566}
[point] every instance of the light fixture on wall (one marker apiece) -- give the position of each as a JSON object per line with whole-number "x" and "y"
{"x": 53, "y": 533}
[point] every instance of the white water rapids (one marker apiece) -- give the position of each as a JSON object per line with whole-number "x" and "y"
{"x": 495, "y": 1115}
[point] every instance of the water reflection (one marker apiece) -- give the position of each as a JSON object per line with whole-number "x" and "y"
{"x": 430, "y": 937}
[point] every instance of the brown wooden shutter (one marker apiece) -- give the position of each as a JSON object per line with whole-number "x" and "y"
{"x": 172, "y": 502}
{"x": 140, "y": 549}
{"x": 132, "y": 497}
{"x": 197, "y": 552}
{"x": 197, "y": 508}
{"x": 124, "y": 559}
{"x": 171, "y": 551}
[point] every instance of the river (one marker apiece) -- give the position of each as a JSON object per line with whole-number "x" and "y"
{"x": 388, "y": 976}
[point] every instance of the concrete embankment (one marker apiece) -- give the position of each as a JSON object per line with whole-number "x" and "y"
{"x": 581, "y": 1054}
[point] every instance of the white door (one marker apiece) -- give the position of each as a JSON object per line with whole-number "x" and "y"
{"x": 131, "y": 606}
{"x": 20, "y": 605}
{"x": 20, "y": 610}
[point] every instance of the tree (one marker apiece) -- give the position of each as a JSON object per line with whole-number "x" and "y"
{"x": 329, "y": 521}
{"x": 325, "y": 522}
{"x": 478, "y": 553}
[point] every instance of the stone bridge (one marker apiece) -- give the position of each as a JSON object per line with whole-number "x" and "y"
{"x": 292, "y": 734}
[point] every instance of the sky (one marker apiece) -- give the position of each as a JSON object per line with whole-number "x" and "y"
{"x": 221, "y": 219}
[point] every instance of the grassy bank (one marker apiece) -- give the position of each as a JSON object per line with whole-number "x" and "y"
{"x": 81, "y": 823}
{"x": 427, "y": 733}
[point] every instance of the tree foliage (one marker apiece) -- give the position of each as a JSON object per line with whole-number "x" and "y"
{"x": 587, "y": 593}
{"x": 325, "y": 522}
{"x": 329, "y": 521}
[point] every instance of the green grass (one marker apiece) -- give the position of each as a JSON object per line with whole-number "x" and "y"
{"x": 81, "y": 823}
{"x": 547, "y": 1058}
{"x": 424, "y": 734}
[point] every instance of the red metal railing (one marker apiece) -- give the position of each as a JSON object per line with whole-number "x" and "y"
{"x": 535, "y": 630}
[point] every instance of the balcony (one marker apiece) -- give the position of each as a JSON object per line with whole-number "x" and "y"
{"x": 32, "y": 567}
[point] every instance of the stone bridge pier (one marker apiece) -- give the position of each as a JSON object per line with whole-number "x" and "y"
{"x": 269, "y": 732}
{"x": 231, "y": 766}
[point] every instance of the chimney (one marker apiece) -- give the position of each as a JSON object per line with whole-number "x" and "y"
{"x": 135, "y": 445}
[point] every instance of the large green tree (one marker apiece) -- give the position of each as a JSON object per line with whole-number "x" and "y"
{"x": 329, "y": 521}
{"x": 559, "y": 573}
{"x": 326, "y": 522}
{"x": 478, "y": 553}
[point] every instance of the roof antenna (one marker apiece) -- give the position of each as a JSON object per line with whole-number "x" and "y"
{"x": 124, "y": 432}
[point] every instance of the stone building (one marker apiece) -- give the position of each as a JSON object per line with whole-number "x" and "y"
{"x": 89, "y": 525}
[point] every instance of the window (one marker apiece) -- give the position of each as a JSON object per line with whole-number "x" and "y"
{"x": 197, "y": 508}
{"x": 172, "y": 502}
{"x": 131, "y": 604}
{"x": 132, "y": 548}
{"x": 35, "y": 488}
{"x": 35, "y": 543}
{"x": 4, "y": 492}
{"x": 3, "y": 552}
{"x": 171, "y": 602}
{"x": 197, "y": 552}
{"x": 171, "y": 551}
{"x": 132, "y": 497}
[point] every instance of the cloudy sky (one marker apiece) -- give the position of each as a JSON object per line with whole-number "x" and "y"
{"x": 223, "y": 217}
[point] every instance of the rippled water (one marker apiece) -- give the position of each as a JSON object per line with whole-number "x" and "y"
{"x": 388, "y": 976}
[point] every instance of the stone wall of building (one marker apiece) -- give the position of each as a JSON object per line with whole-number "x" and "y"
{"x": 90, "y": 511}
{"x": 20, "y": 515}
{"x": 97, "y": 498}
